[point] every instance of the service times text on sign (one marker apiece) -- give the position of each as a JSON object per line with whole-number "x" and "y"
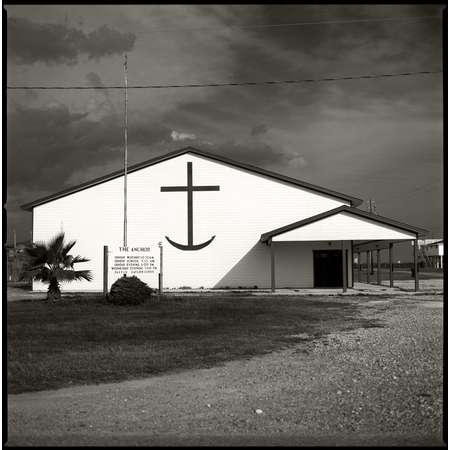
{"x": 138, "y": 261}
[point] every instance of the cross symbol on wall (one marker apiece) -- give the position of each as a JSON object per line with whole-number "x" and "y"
{"x": 189, "y": 189}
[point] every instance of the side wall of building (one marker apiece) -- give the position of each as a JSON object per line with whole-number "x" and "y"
{"x": 294, "y": 265}
{"x": 246, "y": 206}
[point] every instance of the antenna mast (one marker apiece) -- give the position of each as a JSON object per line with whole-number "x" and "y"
{"x": 125, "y": 157}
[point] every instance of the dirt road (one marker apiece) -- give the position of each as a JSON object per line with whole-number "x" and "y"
{"x": 375, "y": 386}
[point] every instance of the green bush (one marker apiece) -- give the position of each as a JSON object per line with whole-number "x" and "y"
{"x": 129, "y": 291}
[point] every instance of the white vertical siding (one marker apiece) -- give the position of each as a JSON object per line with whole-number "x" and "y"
{"x": 344, "y": 226}
{"x": 294, "y": 263}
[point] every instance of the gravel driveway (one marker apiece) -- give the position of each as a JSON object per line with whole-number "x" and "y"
{"x": 375, "y": 386}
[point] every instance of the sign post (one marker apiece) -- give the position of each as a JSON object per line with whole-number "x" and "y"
{"x": 105, "y": 270}
{"x": 160, "y": 277}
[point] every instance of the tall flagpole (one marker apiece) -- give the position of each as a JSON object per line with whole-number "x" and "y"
{"x": 125, "y": 158}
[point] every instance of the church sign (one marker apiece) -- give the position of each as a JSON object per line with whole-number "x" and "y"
{"x": 140, "y": 261}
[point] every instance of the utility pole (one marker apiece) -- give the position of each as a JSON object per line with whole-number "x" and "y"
{"x": 371, "y": 206}
{"x": 125, "y": 158}
{"x": 15, "y": 255}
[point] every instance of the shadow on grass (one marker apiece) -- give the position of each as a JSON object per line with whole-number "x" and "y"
{"x": 85, "y": 340}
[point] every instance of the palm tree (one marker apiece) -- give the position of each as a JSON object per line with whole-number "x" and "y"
{"x": 51, "y": 263}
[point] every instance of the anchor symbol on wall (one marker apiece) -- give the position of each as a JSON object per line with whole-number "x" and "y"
{"x": 190, "y": 190}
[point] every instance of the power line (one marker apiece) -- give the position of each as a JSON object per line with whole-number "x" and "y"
{"x": 292, "y": 24}
{"x": 244, "y": 83}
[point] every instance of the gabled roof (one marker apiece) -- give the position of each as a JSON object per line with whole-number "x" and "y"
{"x": 353, "y": 200}
{"x": 265, "y": 237}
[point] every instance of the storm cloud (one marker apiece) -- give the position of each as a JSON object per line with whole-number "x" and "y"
{"x": 30, "y": 42}
{"x": 371, "y": 138}
{"x": 60, "y": 142}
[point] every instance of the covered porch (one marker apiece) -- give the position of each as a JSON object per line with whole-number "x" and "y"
{"x": 333, "y": 239}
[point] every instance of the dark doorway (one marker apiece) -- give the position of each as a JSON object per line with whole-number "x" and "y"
{"x": 328, "y": 268}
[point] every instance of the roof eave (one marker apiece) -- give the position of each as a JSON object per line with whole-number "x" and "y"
{"x": 118, "y": 173}
{"x": 419, "y": 232}
{"x": 354, "y": 201}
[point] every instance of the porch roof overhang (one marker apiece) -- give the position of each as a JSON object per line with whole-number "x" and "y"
{"x": 344, "y": 223}
{"x": 375, "y": 245}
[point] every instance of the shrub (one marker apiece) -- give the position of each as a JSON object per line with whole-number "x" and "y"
{"x": 129, "y": 291}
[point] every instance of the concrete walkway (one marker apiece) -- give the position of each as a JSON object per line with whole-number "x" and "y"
{"x": 401, "y": 287}
{"x": 429, "y": 286}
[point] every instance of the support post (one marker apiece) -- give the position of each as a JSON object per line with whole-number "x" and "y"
{"x": 344, "y": 268}
{"x": 378, "y": 267}
{"x": 352, "y": 272}
{"x": 416, "y": 274}
{"x": 359, "y": 266}
{"x": 391, "y": 265}
{"x": 368, "y": 264}
{"x": 272, "y": 266}
{"x": 105, "y": 270}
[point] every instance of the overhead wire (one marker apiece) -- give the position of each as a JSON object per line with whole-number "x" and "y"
{"x": 241, "y": 83}
{"x": 251, "y": 83}
{"x": 289, "y": 24}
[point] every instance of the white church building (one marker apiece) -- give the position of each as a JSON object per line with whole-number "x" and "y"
{"x": 222, "y": 224}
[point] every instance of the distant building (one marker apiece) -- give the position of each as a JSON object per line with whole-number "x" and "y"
{"x": 433, "y": 252}
{"x": 16, "y": 259}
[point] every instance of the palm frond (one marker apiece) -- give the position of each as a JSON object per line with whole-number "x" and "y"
{"x": 73, "y": 275}
{"x": 34, "y": 266}
{"x": 38, "y": 252}
{"x": 79, "y": 259}
{"x": 83, "y": 275}
{"x": 68, "y": 247}
{"x": 57, "y": 241}
{"x": 55, "y": 248}
{"x": 39, "y": 273}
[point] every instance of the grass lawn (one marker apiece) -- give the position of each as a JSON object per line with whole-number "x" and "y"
{"x": 85, "y": 340}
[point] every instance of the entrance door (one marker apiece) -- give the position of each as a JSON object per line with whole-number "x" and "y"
{"x": 328, "y": 268}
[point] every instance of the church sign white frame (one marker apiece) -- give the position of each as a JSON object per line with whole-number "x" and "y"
{"x": 140, "y": 261}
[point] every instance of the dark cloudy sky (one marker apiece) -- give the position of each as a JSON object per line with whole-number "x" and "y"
{"x": 380, "y": 139}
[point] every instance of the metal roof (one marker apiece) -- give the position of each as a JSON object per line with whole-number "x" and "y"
{"x": 357, "y": 212}
{"x": 354, "y": 201}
